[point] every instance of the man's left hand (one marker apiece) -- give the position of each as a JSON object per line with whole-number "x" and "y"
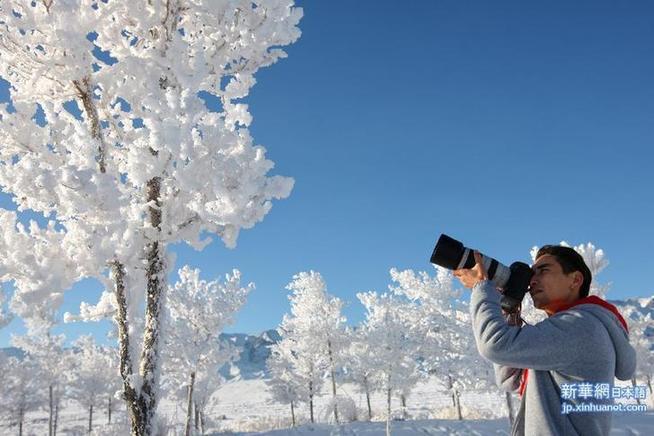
{"x": 470, "y": 277}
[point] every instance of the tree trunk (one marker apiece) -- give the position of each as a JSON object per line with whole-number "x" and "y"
{"x": 90, "y": 418}
{"x": 56, "y": 419}
{"x": 197, "y": 415}
{"x": 201, "y": 422}
{"x": 365, "y": 384}
{"x": 311, "y": 401}
{"x": 141, "y": 405}
{"x": 404, "y": 413}
{"x": 333, "y": 373}
{"x": 509, "y": 407}
{"x": 388, "y": 406}
{"x": 458, "y": 405}
{"x": 21, "y": 415}
{"x": 450, "y": 386}
{"x": 633, "y": 383}
{"x": 51, "y": 412}
{"x": 134, "y": 411}
{"x": 155, "y": 287}
{"x": 649, "y": 385}
{"x": 109, "y": 411}
{"x": 189, "y": 405}
{"x": 85, "y": 93}
{"x": 292, "y": 413}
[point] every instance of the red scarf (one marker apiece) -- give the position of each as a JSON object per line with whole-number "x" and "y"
{"x": 593, "y": 299}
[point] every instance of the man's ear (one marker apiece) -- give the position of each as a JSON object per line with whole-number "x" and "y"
{"x": 577, "y": 280}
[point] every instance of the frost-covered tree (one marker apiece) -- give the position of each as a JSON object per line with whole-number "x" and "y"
{"x": 21, "y": 391}
{"x": 358, "y": 370}
{"x": 4, "y": 360}
{"x": 467, "y": 370}
{"x": 317, "y": 330}
{"x": 108, "y": 136}
{"x": 5, "y": 315}
{"x": 643, "y": 332}
{"x": 55, "y": 367}
{"x": 206, "y": 384}
{"x": 306, "y": 375}
{"x": 447, "y": 348}
{"x": 285, "y": 384}
{"x": 198, "y": 311}
{"x": 390, "y": 330}
{"x": 95, "y": 377}
{"x": 195, "y": 387}
{"x": 640, "y": 318}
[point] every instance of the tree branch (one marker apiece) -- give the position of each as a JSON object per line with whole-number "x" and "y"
{"x": 84, "y": 92}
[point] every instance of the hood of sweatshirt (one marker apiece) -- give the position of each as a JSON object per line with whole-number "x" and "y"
{"x": 616, "y": 326}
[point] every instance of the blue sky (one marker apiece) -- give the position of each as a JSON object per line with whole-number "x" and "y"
{"x": 505, "y": 124}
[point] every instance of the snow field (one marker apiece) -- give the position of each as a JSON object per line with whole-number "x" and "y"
{"x": 248, "y": 408}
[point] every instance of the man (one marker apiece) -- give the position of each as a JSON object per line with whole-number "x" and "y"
{"x": 583, "y": 340}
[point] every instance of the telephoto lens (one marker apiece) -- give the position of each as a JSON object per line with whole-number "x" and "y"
{"x": 452, "y": 254}
{"x": 513, "y": 281}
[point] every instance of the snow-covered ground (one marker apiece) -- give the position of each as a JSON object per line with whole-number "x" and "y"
{"x": 245, "y": 407}
{"x": 624, "y": 425}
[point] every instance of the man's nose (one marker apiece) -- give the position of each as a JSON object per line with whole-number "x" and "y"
{"x": 532, "y": 281}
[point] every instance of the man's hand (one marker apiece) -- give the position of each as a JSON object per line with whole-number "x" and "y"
{"x": 470, "y": 277}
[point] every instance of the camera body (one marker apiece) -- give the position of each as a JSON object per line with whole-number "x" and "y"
{"x": 513, "y": 281}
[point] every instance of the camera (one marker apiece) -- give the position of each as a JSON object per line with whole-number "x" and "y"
{"x": 513, "y": 281}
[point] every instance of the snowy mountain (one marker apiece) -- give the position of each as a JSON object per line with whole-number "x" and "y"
{"x": 638, "y": 308}
{"x": 12, "y": 352}
{"x": 254, "y": 352}
{"x": 633, "y": 308}
{"x": 644, "y": 305}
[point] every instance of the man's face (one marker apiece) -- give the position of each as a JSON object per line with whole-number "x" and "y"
{"x": 550, "y": 286}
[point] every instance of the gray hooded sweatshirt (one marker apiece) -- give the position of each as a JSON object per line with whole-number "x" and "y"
{"x": 583, "y": 344}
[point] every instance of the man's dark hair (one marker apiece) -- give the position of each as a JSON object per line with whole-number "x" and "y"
{"x": 570, "y": 261}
